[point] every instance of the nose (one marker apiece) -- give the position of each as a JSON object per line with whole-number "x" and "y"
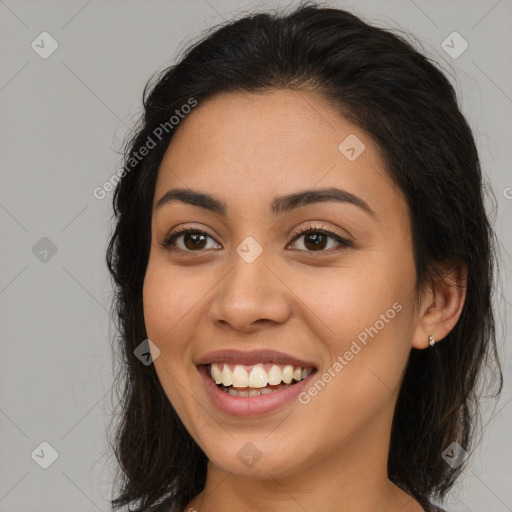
{"x": 250, "y": 296}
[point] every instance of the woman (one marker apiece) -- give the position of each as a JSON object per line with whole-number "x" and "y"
{"x": 304, "y": 271}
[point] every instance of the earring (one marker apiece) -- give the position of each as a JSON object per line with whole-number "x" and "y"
{"x": 431, "y": 341}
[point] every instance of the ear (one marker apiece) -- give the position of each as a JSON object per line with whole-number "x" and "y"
{"x": 441, "y": 306}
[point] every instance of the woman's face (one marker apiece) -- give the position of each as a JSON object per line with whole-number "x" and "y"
{"x": 247, "y": 291}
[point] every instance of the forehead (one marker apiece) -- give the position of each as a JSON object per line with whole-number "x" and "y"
{"x": 249, "y": 146}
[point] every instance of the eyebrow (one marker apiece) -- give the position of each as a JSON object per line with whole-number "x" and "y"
{"x": 280, "y": 205}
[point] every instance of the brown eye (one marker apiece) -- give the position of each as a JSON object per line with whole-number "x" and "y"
{"x": 193, "y": 240}
{"x": 315, "y": 241}
{"x": 318, "y": 239}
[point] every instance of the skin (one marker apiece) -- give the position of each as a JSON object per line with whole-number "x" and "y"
{"x": 246, "y": 149}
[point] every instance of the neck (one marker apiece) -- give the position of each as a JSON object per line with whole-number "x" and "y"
{"x": 353, "y": 478}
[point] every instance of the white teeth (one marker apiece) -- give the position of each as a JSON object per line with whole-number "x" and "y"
{"x": 254, "y": 392}
{"x": 275, "y": 376}
{"x": 227, "y": 376}
{"x": 240, "y": 377}
{"x": 287, "y": 374}
{"x": 255, "y": 376}
{"x": 216, "y": 374}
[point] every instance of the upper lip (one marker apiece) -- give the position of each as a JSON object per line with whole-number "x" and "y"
{"x": 251, "y": 357}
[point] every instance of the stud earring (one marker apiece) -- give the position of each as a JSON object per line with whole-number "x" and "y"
{"x": 431, "y": 341}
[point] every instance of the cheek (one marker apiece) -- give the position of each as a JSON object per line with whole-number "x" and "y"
{"x": 363, "y": 294}
{"x": 169, "y": 302}
{"x": 364, "y": 312}
{"x": 170, "y": 298}
{"x": 166, "y": 304}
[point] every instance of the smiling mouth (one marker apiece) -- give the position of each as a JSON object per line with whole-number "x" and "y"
{"x": 255, "y": 380}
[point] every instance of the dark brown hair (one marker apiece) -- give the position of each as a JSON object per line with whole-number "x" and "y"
{"x": 381, "y": 83}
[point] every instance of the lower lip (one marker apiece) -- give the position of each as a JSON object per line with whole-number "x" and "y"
{"x": 252, "y": 405}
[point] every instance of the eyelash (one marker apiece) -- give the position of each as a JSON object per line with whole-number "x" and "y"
{"x": 168, "y": 243}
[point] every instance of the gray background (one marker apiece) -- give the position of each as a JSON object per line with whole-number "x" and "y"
{"x": 63, "y": 121}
